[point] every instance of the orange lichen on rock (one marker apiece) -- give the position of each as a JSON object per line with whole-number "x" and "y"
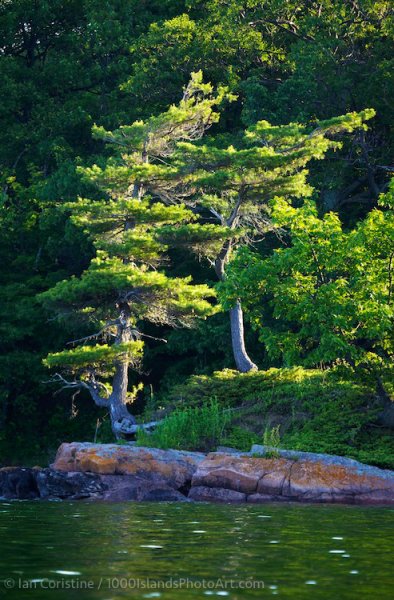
{"x": 235, "y": 476}
{"x": 173, "y": 466}
{"x": 312, "y": 480}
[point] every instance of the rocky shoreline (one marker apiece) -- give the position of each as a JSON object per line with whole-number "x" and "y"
{"x": 118, "y": 473}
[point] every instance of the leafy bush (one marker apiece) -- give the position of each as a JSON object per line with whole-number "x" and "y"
{"x": 191, "y": 428}
{"x": 240, "y": 438}
{"x": 377, "y": 448}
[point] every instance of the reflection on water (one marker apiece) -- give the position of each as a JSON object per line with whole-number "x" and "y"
{"x": 129, "y": 550}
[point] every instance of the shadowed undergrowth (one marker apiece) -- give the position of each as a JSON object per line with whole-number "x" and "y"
{"x": 312, "y": 410}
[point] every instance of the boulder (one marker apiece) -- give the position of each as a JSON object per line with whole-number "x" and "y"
{"x": 130, "y": 487}
{"x": 74, "y": 486}
{"x": 239, "y": 472}
{"x": 319, "y": 478}
{"x": 232, "y": 472}
{"x": 321, "y": 482}
{"x": 174, "y": 467}
{"x": 18, "y": 483}
{"x": 48, "y": 484}
{"x": 163, "y": 494}
{"x": 30, "y": 483}
{"x": 275, "y": 477}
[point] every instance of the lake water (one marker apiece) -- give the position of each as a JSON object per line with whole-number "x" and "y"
{"x": 167, "y": 550}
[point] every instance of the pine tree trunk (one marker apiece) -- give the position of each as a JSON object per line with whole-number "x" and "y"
{"x": 242, "y": 360}
{"x": 121, "y": 419}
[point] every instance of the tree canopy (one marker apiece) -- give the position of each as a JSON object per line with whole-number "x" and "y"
{"x": 115, "y": 173}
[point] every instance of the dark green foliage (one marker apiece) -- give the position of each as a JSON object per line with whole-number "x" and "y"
{"x": 240, "y": 438}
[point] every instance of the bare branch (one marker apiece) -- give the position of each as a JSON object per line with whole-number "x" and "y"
{"x": 217, "y": 215}
{"x": 94, "y": 335}
{"x": 77, "y": 385}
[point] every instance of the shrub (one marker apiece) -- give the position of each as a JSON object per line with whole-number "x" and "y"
{"x": 240, "y": 438}
{"x": 271, "y": 437}
{"x": 230, "y": 387}
{"x": 191, "y": 428}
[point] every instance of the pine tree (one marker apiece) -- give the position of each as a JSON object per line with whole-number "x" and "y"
{"x": 226, "y": 187}
{"x": 124, "y": 285}
{"x": 234, "y": 185}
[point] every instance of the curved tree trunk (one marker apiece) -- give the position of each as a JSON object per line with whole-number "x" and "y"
{"x": 242, "y": 360}
{"x": 121, "y": 420}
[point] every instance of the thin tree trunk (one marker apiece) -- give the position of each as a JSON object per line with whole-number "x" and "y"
{"x": 242, "y": 360}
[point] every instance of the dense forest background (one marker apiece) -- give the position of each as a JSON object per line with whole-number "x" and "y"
{"x": 66, "y": 65}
